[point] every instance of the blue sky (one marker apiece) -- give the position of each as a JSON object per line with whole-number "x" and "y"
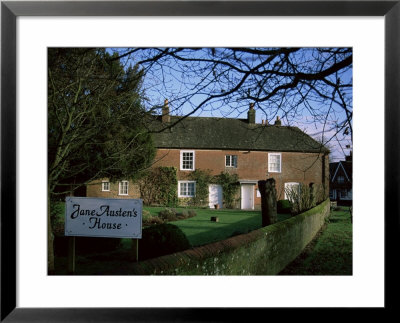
{"x": 168, "y": 82}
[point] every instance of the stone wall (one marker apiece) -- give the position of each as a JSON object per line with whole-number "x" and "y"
{"x": 265, "y": 251}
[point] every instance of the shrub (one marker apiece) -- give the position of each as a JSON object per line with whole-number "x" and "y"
{"x": 182, "y": 215}
{"x": 90, "y": 245}
{"x": 159, "y": 187}
{"x": 85, "y": 245}
{"x": 284, "y": 206}
{"x": 191, "y": 213}
{"x": 148, "y": 219}
{"x": 160, "y": 240}
{"x": 151, "y": 220}
{"x": 168, "y": 214}
{"x": 303, "y": 197}
{"x": 145, "y": 214}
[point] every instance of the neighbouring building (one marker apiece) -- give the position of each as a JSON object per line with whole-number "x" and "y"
{"x": 237, "y": 146}
{"x": 341, "y": 181}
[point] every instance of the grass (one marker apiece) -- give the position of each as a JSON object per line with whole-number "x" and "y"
{"x": 201, "y": 230}
{"x": 330, "y": 253}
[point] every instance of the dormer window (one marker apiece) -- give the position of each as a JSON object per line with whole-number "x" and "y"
{"x": 187, "y": 159}
{"x": 231, "y": 161}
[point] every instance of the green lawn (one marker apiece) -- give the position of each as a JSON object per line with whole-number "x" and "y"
{"x": 330, "y": 253}
{"x": 201, "y": 230}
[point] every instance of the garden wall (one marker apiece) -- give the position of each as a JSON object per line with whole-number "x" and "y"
{"x": 265, "y": 251}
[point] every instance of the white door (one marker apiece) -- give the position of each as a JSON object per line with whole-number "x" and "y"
{"x": 215, "y": 195}
{"x": 247, "y": 196}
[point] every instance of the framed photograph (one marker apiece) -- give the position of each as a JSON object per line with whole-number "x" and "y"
{"x": 29, "y": 28}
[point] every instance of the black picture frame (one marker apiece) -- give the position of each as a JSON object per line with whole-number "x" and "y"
{"x": 10, "y": 10}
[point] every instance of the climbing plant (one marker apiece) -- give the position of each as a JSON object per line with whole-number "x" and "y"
{"x": 203, "y": 178}
{"x": 230, "y": 187}
{"x": 159, "y": 187}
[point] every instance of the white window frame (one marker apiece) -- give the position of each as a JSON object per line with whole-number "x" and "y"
{"x": 193, "y": 161}
{"x": 231, "y": 163}
{"x": 121, "y": 186}
{"x": 340, "y": 179}
{"x": 180, "y": 194}
{"x": 280, "y": 162}
{"x": 103, "y": 189}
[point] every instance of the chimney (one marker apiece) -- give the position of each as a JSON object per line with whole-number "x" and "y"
{"x": 278, "y": 121}
{"x": 166, "y": 118}
{"x": 251, "y": 114}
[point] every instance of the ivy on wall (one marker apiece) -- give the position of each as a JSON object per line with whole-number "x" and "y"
{"x": 230, "y": 187}
{"x": 203, "y": 178}
{"x": 229, "y": 183}
{"x": 160, "y": 187}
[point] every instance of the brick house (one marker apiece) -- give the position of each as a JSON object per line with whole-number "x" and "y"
{"x": 240, "y": 146}
{"x": 340, "y": 182}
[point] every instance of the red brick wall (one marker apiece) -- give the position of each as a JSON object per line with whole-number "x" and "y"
{"x": 251, "y": 165}
{"x": 94, "y": 189}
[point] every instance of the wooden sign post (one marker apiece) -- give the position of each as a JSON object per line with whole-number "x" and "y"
{"x": 98, "y": 217}
{"x": 135, "y": 249}
{"x": 71, "y": 255}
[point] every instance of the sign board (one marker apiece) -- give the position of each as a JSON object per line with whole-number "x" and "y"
{"x": 98, "y": 217}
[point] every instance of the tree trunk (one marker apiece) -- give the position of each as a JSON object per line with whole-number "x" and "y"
{"x": 50, "y": 240}
{"x": 313, "y": 201}
{"x": 268, "y": 201}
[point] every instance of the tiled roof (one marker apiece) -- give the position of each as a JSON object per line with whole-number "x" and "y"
{"x": 231, "y": 134}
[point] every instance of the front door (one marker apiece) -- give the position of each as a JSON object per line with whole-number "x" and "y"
{"x": 247, "y": 196}
{"x": 215, "y": 195}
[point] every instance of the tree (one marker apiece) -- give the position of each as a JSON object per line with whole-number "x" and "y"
{"x": 308, "y": 87}
{"x": 95, "y": 121}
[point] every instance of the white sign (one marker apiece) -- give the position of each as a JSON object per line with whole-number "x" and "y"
{"x": 98, "y": 217}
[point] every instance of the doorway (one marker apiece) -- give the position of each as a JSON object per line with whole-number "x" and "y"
{"x": 247, "y": 196}
{"x": 214, "y": 195}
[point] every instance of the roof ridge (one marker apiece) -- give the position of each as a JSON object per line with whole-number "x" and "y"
{"x": 205, "y": 132}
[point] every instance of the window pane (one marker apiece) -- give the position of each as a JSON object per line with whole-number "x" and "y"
{"x": 234, "y": 161}
{"x": 187, "y": 189}
{"x": 274, "y": 163}
{"x": 105, "y": 186}
{"x": 183, "y": 186}
{"x": 190, "y": 189}
{"x": 123, "y": 188}
{"x": 231, "y": 161}
{"x": 187, "y": 160}
{"x": 227, "y": 160}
